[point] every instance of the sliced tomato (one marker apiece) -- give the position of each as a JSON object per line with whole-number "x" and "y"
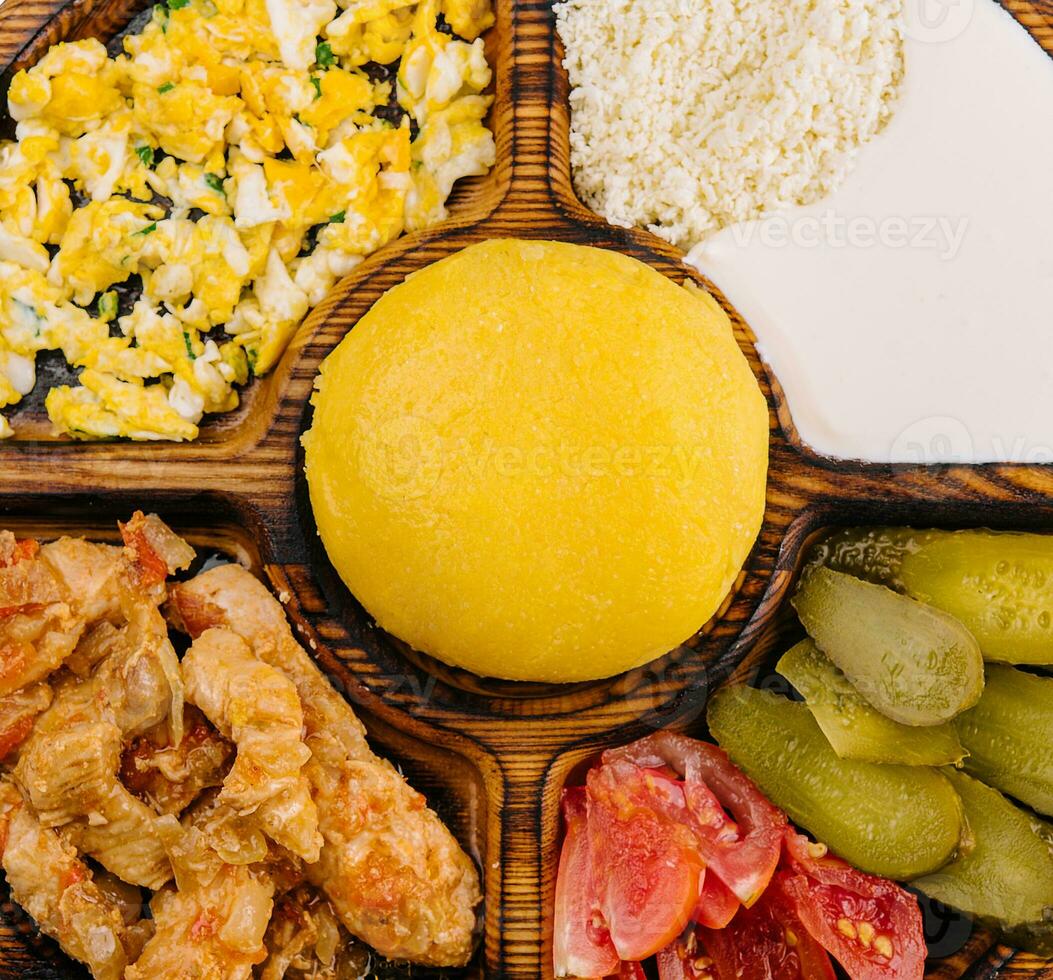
{"x": 692, "y": 802}
{"x": 674, "y": 963}
{"x": 870, "y": 925}
{"x": 743, "y": 852}
{"x": 647, "y": 860}
{"x": 717, "y": 904}
{"x": 631, "y": 971}
{"x": 581, "y": 945}
{"x": 764, "y": 942}
{"x": 668, "y": 792}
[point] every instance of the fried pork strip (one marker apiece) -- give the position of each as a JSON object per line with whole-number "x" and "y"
{"x": 121, "y": 834}
{"x": 395, "y": 875}
{"x": 18, "y": 712}
{"x": 305, "y": 940}
{"x": 169, "y": 777}
{"x": 69, "y": 765}
{"x": 95, "y": 608}
{"x": 209, "y": 925}
{"x": 153, "y": 550}
{"x": 42, "y": 615}
{"x": 210, "y": 933}
{"x": 68, "y": 770}
{"x": 258, "y": 708}
{"x": 55, "y": 887}
{"x": 50, "y": 595}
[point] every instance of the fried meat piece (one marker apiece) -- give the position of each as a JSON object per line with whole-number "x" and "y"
{"x": 18, "y": 713}
{"x": 50, "y": 595}
{"x": 397, "y": 878}
{"x": 305, "y": 940}
{"x": 54, "y": 886}
{"x": 214, "y": 932}
{"x": 69, "y": 765}
{"x": 258, "y": 708}
{"x": 169, "y": 777}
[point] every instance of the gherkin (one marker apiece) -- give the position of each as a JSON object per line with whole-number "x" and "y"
{"x": 1009, "y": 736}
{"x": 913, "y": 663}
{"x": 895, "y": 821}
{"x": 856, "y": 730}
{"x": 1005, "y": 877}
{"x": 999, "y": 584}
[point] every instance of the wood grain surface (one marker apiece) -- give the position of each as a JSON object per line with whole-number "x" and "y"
{"x": 494, "y": 756}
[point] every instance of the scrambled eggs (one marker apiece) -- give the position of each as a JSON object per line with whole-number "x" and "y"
{"x": 238, "y": 158}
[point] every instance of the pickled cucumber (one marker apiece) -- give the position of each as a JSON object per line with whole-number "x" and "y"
{"x": 998, "y": 583}
{"x": 914, "y": 664}
{"x": 853, "y": 728}
{"x": 890, "y": 820}
{"x": 1009, "y": 736}
{"x": 1006, "y": 879}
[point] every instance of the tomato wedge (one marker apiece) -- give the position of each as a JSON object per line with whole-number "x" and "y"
{"x": 650, "y": 868}
{"x": 717, "y": 904}
{"x": 581, "y": 946}
{"x": 764, "y": 942}
{"x": 743, "y": 852}
{"x": 631, "y": 971}
{"x": 870, "y": 925}
{"x": 668, "y": 834}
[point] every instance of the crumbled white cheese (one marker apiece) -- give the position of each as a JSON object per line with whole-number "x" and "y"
{"x": 691, "y": 116}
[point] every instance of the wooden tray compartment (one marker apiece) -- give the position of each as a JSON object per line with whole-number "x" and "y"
{"x": 29, "y": 27}
{"x": 958, "y": 948}
{"x": 455, "y": 787}
{"x": 514, "y": 744}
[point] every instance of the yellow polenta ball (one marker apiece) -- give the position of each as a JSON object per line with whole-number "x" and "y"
{"x": 539, "y": 461}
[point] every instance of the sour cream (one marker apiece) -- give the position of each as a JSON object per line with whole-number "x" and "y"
{"x": 909, "y": 316}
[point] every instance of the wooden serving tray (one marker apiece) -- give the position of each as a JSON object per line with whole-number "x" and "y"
{"x": 491, "y": 756}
